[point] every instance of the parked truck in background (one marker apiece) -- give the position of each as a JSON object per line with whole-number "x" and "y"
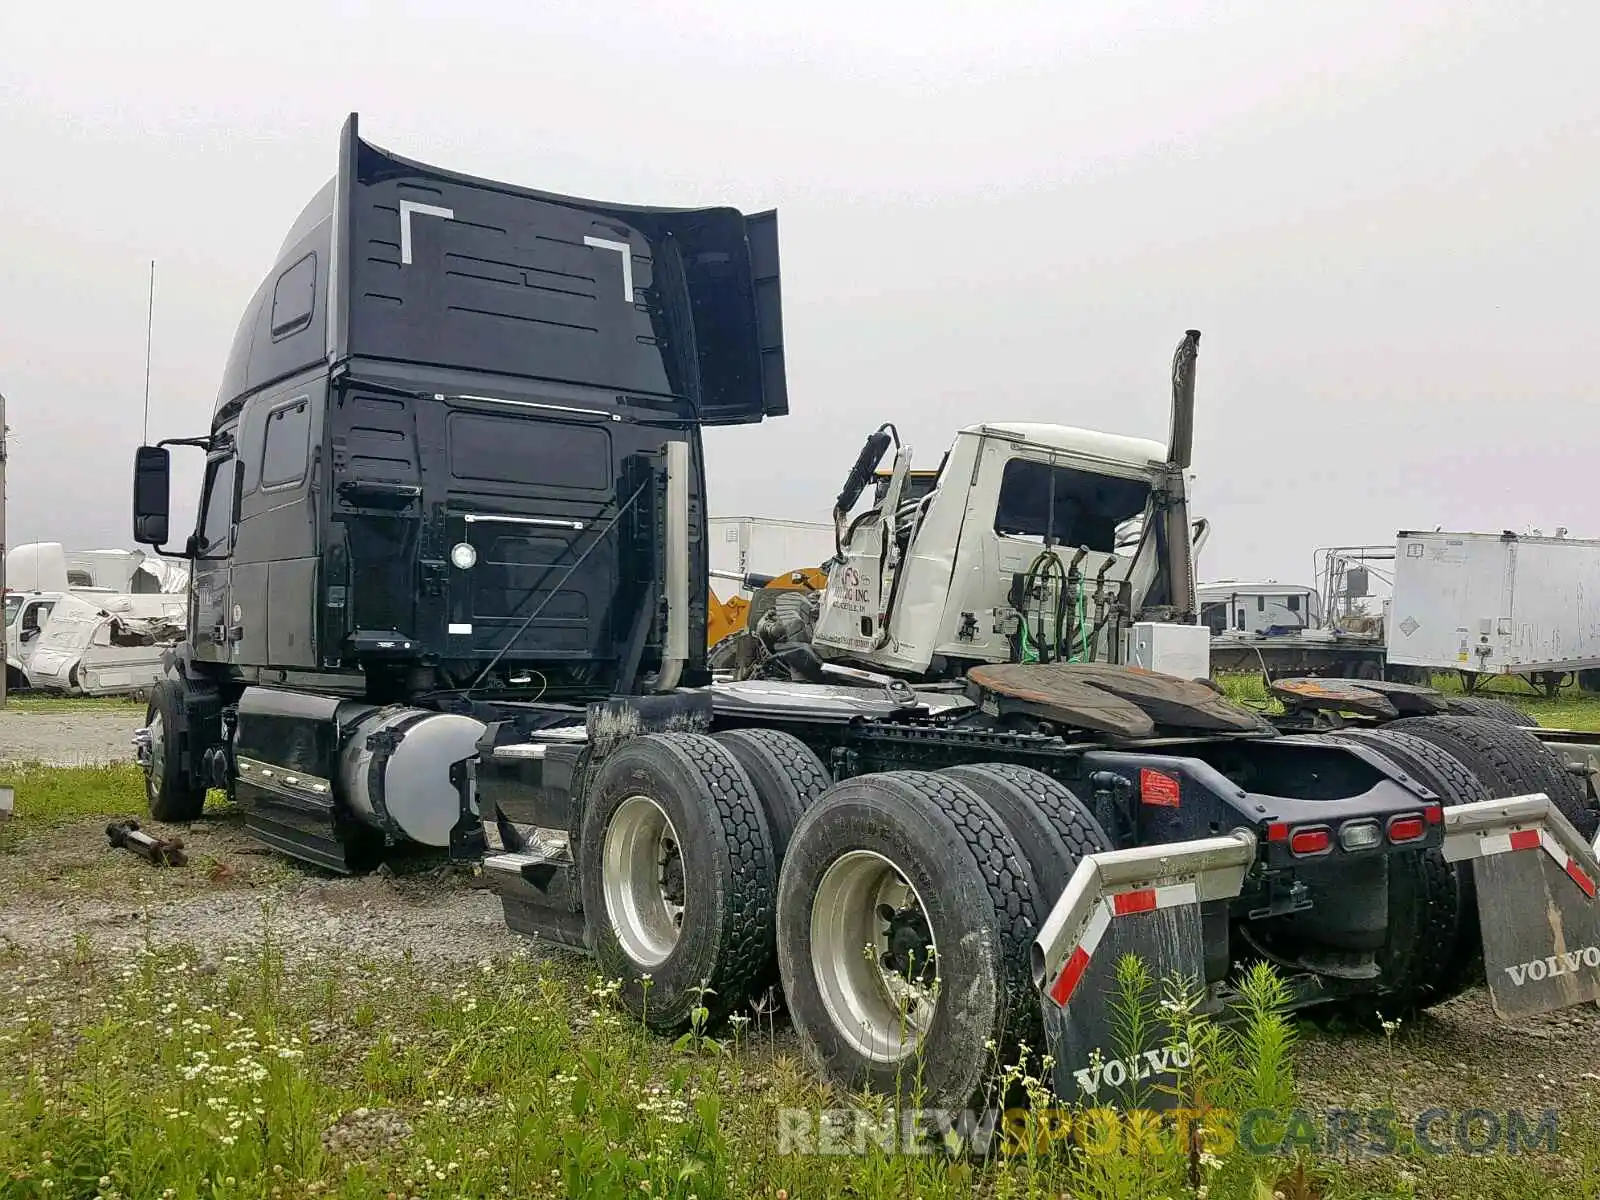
{"x": 449, "y": 587}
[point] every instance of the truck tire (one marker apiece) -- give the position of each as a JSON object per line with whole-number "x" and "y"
{"x": 1497, "y": 710}
{"x": 725, "y": 654}
{"x": 677, "y": 876}
{"x": 896, "y": 862}
{"x": 1451, "y": 958}
{"x": 1051, "y": 826}
{"x": 786, "y": 774}
{"x": 1509, "y": 761}
{"x": 173, "y": 795}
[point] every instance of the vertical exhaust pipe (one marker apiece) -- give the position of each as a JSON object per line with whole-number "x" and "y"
{"x": 1176, "y": 550}
{"x": 1180, "y": 446}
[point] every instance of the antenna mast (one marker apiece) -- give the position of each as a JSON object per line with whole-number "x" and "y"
{"x": 149, "y": 326}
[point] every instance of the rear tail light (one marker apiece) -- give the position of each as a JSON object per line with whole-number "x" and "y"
{"x": 1310, "y": 840}
{"x": 1406, "y": 829}
{"x": 1360, "y": 835}
{"x": 1434, "y": 814}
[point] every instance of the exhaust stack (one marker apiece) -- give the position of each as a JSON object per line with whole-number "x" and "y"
{"x": 1180, "y": 447}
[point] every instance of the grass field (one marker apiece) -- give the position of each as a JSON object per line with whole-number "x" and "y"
{"x": 1571, "y": 709}
{"x": 30, "y": 703}
{"x": 134, "y": 1068}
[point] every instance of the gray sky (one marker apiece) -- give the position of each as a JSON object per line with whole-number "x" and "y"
{"x": 1382, "y": 217}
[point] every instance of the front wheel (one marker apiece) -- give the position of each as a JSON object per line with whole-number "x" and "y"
{"x": 173, "y": 796}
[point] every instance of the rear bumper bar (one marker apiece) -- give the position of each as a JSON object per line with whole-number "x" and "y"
{"x": 1166, "y": 905}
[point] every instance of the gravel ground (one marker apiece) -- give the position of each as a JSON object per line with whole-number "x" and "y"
{"x": 437, "y": 924}
{"x": 67, "y": 883}
{"x": 70, "y": 737}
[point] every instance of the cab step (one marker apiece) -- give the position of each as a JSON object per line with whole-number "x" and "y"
{"x": 538, "y": 888}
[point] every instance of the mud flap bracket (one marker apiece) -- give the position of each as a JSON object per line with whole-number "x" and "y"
{"x": 1148, "y": 902}
{"x": 1539, "y": 910}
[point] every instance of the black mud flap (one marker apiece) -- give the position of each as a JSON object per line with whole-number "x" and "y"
{"x": 1537, "y": 905}
{"x": 1151, "y": 902}
{"x": 469, "y": 836}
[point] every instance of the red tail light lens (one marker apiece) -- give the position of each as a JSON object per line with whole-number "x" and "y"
{"x": 1406, "y": 829}
{"x": 1434, "y": 814}
{"x": 1315, "y": 840}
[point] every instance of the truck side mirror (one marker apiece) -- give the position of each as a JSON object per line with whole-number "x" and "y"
{"x": 152, "y": 488}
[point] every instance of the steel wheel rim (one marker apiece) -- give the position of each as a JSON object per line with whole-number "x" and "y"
{"x": 882, "y": 1014}
{"x": 642, "y": 880}
{"x": 158, "y": 753}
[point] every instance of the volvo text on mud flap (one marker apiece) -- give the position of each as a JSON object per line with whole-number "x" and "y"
{"x": 1167, "y": 906}
{"x": 1537, "y": 881}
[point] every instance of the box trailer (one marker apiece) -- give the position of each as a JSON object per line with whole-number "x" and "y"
{"x": 741, "y": 546}
{"x": 1495, "y": 604}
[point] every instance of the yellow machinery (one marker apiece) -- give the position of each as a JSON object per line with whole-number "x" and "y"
{"x": 724, "y": 618}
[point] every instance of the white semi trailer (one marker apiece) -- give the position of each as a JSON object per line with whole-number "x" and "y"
{"x": 1488, "y": 604}
{"x": 738, "y": 547}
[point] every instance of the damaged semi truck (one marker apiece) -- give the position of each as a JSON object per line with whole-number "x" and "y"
{"x": 449, "y": 588}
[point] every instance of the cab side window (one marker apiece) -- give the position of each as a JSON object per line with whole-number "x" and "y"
{"x": 1062, "y": 505}
{"x": 287, "y": 447}
{"x": 34, "y": 618}
{"x": 216, "y": 525}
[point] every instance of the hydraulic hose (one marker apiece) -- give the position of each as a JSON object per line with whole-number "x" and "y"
{"x": 1046, "y": 645}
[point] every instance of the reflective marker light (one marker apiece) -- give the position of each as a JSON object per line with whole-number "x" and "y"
{"x": 1360, "y": 835}
{"x": 463, "y": 555}
{"x": 1312, "y": 840}
{"x": 1405, "y": 829}
{"x": 1434, "y": 814}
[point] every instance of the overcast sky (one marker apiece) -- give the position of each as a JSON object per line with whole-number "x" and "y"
{"x": 1381, "y": 216}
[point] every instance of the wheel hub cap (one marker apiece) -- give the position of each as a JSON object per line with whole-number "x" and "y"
{"x": 874, "y": 955}
{"x": 154, "y": 751}
{"x": 643, "y": 880}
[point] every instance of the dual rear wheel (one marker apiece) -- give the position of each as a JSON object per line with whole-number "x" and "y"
{"x": 894, "y": 910}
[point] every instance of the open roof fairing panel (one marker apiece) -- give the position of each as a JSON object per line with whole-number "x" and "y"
{"x": 675, "y": 308}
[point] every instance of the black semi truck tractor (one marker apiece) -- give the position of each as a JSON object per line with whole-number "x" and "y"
{"x": 448, "y": 590}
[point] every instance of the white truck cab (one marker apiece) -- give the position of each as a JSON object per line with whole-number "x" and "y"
{"x": 26, "y": 615}
{"x": 1023, "y": 516}
{"x": 1255, "y": 606}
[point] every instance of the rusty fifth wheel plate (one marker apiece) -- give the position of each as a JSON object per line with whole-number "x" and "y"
{"x": 1122, "y": 701}
{"x": 1339, "y": 695}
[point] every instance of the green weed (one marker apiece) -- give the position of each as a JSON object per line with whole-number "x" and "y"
{"x": 114, "y": 705}
{"x": 162, "y": 1073}
{"x": 51, "y": 795}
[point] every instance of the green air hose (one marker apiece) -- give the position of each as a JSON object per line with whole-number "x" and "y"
{"x": 1048, "y": 565}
